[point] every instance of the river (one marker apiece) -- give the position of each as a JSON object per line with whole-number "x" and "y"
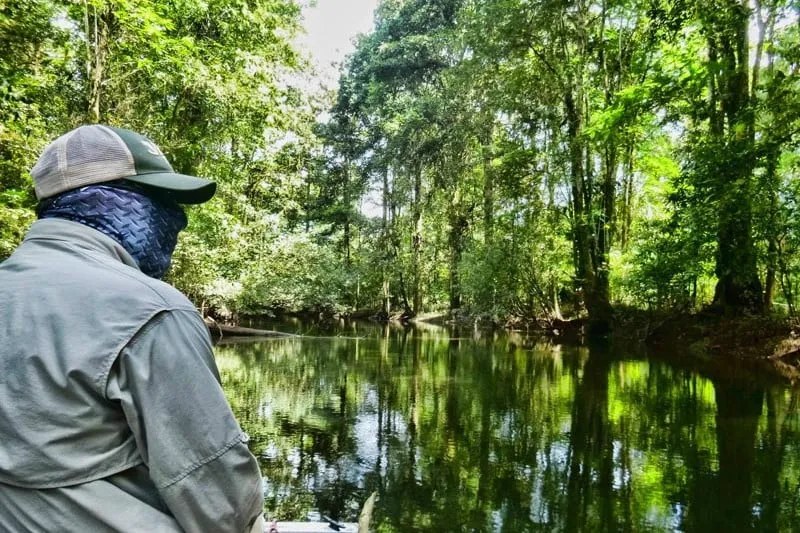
{"x": 480, "y": 431}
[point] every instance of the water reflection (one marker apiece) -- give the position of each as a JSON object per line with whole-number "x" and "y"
{"x": 465, "y": 432}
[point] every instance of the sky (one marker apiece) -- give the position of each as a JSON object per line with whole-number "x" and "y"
{"x": 330, "y": 27}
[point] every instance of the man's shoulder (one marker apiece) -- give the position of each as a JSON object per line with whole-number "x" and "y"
{"x": 171, "y": 296}
{"x": 159, "y": 292}
{"x": 83, "y": 274}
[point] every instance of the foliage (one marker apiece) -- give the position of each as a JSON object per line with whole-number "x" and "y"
{"x": 669, "y": 272}
{"x": 514, "y": 131}
{"x": 494, "y": 157}
{"x": 297, "y": 274}
{"x": 211, "y": 83}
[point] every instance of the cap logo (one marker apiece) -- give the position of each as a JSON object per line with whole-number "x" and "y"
{"x": 152, "y": 149}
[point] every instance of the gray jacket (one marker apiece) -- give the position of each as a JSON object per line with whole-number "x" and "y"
{"x": 112, "y": 417}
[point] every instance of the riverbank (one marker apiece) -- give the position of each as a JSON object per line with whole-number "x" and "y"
{"x": 764, "y": 342}
{"x": 751, "y": 343}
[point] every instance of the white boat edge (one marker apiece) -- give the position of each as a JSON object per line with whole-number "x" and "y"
{"x": 308, "y": 527}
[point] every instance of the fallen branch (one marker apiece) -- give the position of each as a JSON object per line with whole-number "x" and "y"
{"x": 221, "y": 330}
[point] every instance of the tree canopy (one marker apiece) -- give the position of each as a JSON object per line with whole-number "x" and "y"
{"x": 501, "y": 158}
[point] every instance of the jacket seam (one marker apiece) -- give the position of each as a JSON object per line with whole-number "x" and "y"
{"x": 101, "y": 381}
{"x": 197, "y": 464}
{"x": 95, "y": 475}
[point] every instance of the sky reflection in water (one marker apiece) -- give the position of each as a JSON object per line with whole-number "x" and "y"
{"x": 466, "y": 432}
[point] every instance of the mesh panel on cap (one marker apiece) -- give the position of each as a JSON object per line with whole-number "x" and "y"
{"x": 46, "y": 174}
{"x": 96, "y": 154}
{"x": 87, "y": 155}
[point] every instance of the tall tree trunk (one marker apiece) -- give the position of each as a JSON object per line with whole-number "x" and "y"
{"x": 458, "y": 226}
{"x": 97, "y": 39}
{"x": 556, "y": 307}
{"x": 416, "y": 240}
{"x": 771, "y": 175}
{"x": 772, "y": 237}
{"x": 488, "y": 190}
{"x": 395, "y": 242}
{"x": 308, "y": 204}
{"x": 606, "y": 229}
{"x": 786, "y": 282}
{"x": 738, "y": 287}
{"x": 627, "y": 202}
{"x": 597, "y": 303}
{"x": 385, "y": 307}
{"x": 347, "y": 201}
{"x": 585, "y": 270}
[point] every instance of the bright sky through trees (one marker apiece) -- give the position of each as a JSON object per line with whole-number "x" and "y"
{"x": 330, "y": 28}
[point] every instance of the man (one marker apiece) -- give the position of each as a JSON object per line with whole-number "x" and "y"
{"x": 112, "y": 417}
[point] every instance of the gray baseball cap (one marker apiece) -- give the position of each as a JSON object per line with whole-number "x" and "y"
{"x": 95, "y": 154}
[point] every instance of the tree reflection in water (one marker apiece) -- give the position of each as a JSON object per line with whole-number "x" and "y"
{"x": 476, "y": 432}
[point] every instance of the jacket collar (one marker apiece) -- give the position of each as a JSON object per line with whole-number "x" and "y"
{"x": 75, "y": 234}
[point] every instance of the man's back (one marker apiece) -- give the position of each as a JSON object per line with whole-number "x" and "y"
{"x": 109, "y": 394}
{"x": 71, "y": 308}
{"x": 112, "y": 416}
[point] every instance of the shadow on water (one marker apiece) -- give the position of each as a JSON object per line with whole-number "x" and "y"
{"x": 477, "y": 431}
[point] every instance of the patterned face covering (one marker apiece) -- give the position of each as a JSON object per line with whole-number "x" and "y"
{"x": 147, "y": 228}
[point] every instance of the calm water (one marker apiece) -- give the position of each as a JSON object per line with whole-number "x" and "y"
{"x": 459, "y": 431}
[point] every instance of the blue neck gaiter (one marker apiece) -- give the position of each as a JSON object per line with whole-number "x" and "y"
{"x": 146, "y": 228}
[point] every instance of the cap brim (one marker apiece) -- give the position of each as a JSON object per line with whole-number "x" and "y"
{"x": 182, "y": 188}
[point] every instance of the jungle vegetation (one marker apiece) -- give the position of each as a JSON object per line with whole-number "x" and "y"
{"x": 501, "y": 158}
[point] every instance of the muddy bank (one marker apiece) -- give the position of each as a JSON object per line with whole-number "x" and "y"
{"x": 748, "y": 342}
{"x": 729, "y": 346}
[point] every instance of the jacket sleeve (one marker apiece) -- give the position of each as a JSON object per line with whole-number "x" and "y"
{"x": 168, "y": 385}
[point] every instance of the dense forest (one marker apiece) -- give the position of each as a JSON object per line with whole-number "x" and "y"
{"x": 496, "y": 158}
